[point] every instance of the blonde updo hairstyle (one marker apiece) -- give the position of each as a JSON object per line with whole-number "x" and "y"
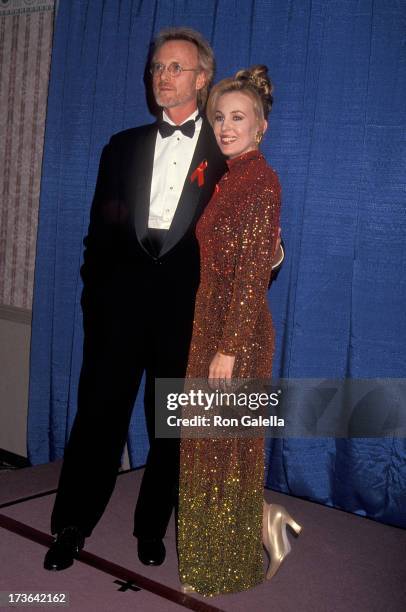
{"x": 254, "y": 82}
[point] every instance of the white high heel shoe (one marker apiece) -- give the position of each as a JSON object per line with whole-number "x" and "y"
{"x": 276, "y": 543}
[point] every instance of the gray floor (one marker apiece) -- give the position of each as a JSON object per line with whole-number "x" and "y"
{"x": 340, "y": 562}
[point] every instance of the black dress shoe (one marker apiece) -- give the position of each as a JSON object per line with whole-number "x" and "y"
{"x": 67, "y": 546}
{"x": 151, "y": 552}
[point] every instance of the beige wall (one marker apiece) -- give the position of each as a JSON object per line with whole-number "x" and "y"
{"x": 15, "y": 333}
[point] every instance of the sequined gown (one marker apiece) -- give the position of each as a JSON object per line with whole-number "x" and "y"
{"x": 222, "y": 480}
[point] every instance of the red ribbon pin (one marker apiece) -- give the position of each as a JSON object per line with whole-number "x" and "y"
{"x": 199, "y": 173}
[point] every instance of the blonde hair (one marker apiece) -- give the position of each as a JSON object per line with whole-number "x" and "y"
{"x": 254, "y": 82}
{"x": 205, "y": 54}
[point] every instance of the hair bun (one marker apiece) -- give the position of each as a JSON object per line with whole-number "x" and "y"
{"x": 257, "y": 77}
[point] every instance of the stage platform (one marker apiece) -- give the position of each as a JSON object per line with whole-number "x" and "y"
{"x": 340, "y": 563}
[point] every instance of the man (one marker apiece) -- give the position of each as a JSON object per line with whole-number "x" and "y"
{"x": 140, "y": 275}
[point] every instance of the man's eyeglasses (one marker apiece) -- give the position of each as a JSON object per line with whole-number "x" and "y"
{"x": 174, "y": 69}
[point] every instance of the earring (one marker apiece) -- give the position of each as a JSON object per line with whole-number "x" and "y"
{"x": 258, "y": 136}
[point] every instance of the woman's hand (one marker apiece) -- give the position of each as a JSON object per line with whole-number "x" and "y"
{"x": 277, "y": 243}
{"x": 220, "y": 370}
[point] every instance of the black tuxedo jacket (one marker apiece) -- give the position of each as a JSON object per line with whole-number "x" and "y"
{"x": 122, "y": 278}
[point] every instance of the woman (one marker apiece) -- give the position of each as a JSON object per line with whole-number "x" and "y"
{"x": 223, "y": 520}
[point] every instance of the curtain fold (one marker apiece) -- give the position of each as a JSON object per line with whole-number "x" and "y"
{"x": 336, "y": 139}
{"x": 26, "y": 28}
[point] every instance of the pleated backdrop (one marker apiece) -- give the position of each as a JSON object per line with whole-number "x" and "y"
{"x": 26, "y": 29}
{"x": 337, "y": 141}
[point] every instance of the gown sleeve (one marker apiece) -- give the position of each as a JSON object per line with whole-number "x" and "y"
{"x": 253, "y": 266}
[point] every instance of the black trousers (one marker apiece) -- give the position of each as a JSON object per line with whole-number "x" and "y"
{"x": 116, "y": 352}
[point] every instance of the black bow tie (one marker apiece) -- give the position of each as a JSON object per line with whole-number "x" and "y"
{"x": 188, "y": 129}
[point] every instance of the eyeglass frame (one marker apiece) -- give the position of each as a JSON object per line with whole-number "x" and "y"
{"x": 173, "y": 74}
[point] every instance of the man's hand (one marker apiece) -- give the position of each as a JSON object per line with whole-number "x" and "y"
{"x": 220, "y": 370}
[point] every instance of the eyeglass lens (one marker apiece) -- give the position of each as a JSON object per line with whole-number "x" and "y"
{"x": 173, "y": 68}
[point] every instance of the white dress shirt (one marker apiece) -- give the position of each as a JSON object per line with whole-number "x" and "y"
{"x": 172, "y": 159}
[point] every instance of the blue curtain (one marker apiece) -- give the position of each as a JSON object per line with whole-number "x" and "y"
{"x": 336, "y": 139}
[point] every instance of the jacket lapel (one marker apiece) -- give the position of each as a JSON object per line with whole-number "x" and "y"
{"x": 141, "y": 169}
